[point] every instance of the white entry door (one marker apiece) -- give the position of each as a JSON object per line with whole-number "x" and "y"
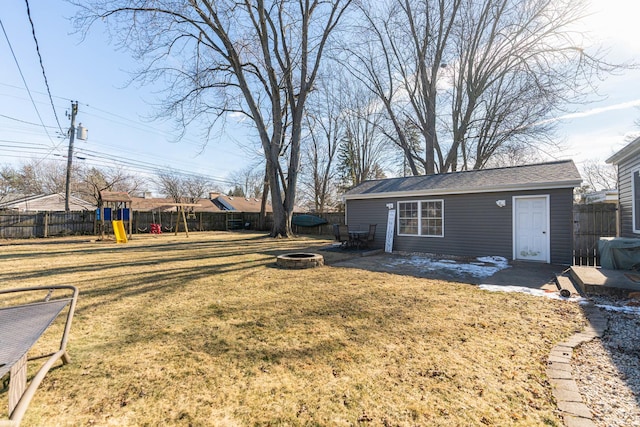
{"x": 531, "y": 228}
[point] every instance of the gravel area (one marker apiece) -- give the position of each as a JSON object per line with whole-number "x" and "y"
{"x": 607, "y": 370}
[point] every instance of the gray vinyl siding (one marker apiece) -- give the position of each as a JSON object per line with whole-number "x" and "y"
{"x": 625, "y": 195}
{"x": 473, "y": 224}
{"x": 561, "y": 226}
{"x": 367, "y": 212}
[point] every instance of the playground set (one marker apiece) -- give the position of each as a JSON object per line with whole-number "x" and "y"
{"x": 116, "y": 207}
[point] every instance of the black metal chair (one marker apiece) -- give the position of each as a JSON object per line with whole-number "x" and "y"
{"x": 371, "y": 236}
{"x": 343, "y": 235}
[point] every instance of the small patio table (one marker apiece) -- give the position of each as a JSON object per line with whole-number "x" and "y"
{"x": 357, "y": 237}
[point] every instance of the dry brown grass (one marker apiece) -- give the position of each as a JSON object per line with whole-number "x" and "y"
{"x": 207, "y": 331}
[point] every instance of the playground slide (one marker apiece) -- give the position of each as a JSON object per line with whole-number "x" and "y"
{"x": 118, "y": 230}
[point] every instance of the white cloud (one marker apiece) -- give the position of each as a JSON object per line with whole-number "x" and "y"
{"x": 600, "y": 110}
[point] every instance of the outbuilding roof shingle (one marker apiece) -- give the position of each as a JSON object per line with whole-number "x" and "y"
{"x": 558, "y": 174}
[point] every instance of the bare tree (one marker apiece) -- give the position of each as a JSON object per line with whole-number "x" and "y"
{"x": 512, "y": 153}
{"x": 38, "y": 177}
{"x": 325, "y": 125}
{"x": 182, "y": 188}
{"x": 631, "y": 136}
{"x": 473, "y": 76}
{"x": 410, "y": 144}
{"x": 172, "y": 185}
{"x": 364, "y": 148}
{"x": 503, "y": 85}
{"x": 256, "y": 58}
{"x": 8, "y": 180}
{"x": 94, "y": 180}
{"x": 599, "y": 176}
{"x": 195, "y": 187}
{"x": 52, "y": 176}
{"x": 399, "y": 60}
{"x": 369, "y": 58}
{"x": 250, "y": 180}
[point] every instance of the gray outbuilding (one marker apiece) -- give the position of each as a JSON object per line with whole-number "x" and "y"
{"x": 519, "y": 213}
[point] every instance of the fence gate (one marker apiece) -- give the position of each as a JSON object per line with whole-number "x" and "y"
{"x": 590, "y": 222}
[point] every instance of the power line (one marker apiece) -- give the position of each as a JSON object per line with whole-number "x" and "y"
{"x": 23, "y": 150}
{"x": 136, "y": 125}
{"x": 10, "y": 141}
{"x": 144, "y": 166}
{"x": 25, "y": 81}
{"x": 26, "y": 122}
{"x": 98, "y": 158}
{"x": 125, "y": 121}
{"x": 46, "y": 81}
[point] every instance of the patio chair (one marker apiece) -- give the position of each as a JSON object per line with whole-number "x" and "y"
{"x": 343, "y": 235}
{"x": 21, "y": 325}
{"x": 371, "y": 236}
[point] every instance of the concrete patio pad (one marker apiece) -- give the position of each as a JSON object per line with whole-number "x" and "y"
{"x": 528, "y": 274}
{"x": 600, "y": 281}
{"x": 532, "y": 275}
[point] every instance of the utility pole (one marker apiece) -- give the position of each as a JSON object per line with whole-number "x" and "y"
{"x": 72, "y": 135}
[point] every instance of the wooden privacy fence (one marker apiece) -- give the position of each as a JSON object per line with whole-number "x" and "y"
{"x": 200, "y": 221}
{"x": 45, "y": 224}
{"x": 590, "y": 222}
{"x": 220, "y": 221}
{"x": 324, "y": 229}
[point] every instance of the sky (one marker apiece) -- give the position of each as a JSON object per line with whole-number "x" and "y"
{"x": 117, "y": 115}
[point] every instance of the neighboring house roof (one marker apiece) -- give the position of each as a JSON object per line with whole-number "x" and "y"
{"x": 558, "y": 174}
{"x": 629, "y": 150}
{"x": 163, "y": 204}
{"x": 239, "y": 204}
{"x": 14, "y": 197}
{"x": 47, "y": 202}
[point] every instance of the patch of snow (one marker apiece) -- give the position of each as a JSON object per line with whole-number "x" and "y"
{"x": 497, "y": 260}
{"x": 482, "y": 268}
{"x": 530, "y": 291}
{"x": 620, "y": 309}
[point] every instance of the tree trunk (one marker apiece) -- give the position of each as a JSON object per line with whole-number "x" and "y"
{"x": 262, "y": 219}
{"x": 430, "y": 134}
{"x": 281, "y": 226}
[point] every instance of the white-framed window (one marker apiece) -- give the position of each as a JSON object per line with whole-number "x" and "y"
{"x": 421, "y": 218}
{"x": 635, "y": 194}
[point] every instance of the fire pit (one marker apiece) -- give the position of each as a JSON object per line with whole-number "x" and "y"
{"x": 300, "y": 260}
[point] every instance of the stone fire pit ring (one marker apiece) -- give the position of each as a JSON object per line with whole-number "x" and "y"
{"x": 299, "y": 260}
